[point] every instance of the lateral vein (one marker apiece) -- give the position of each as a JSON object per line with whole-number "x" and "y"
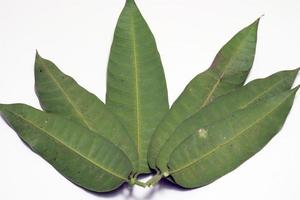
{"x": 69, "y": 147}
{"x": 223, "y": 144}
{"x": 79, "y": 114}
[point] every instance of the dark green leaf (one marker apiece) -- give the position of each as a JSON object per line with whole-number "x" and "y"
{"x": 224, "y": 106}
{"x": 61, "y": 94}
{"x": 228, "y": 71}
{"x": 136, "y": 87}
{"x": 214, "y": 150}
{"x": 82, "y": 156}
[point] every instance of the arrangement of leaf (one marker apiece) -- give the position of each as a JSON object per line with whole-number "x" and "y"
{"x": 213, "y": 127}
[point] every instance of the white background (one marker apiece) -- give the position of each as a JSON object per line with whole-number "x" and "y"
{"x": 76, "y": 35}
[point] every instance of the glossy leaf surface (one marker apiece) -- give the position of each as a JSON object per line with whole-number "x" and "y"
{"x": 224, "y": 106}
{"x": 82, "y": 156}
{"x": 60, "y": 94}
{"x": 228, "y": 71}
{"x": 136, "y": 87}
{"x": 214, "y": 150}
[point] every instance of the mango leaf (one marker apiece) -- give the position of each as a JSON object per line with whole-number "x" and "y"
{"x": 228, "y": 71}
{"x": 136, "y": 87}
{"x": 60, "y": 94}
{"x": 82, "y": 156}
{"x": 224, "y": 106}
{"x": 214, "y": 150}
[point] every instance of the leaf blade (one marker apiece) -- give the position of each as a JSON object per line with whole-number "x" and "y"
{"x": 82, "y": 159}
{"x": 221, "y": 147}
{"x": 225, "y": 105}
{"x": 136, "y": 87}
{"x": 60, "y": 94}
{"x": 228, "y": 71}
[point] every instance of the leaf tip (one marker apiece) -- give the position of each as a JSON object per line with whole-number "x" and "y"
{"x": 294, "y": 74}
{"x": 37, "y": 55}
{"x": 295, "y": 71}
{"x": 296, "y": 89}
{"x": 261, "y": 16}
{"x": 256, "y": 22}
{"x": 254, "y": 25}
{"x": 38, "y": 60}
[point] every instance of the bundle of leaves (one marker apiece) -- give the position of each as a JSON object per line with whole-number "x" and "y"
{"x": 215, "y": 125}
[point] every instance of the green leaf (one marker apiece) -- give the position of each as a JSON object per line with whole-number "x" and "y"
{"x": 228, "y": 71}
{"x": 60, "y": 94}
{"x": 82, "y": 156}
{"x": 224, "y": 106}
{"x": 136, "y": 87}
{"x": 214, "y": 150}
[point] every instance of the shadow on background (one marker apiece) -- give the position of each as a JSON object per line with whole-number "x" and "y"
{"x": 128, "y": 192}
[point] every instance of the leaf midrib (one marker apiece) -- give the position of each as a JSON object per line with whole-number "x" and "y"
{"x": 262, "y": 93}
{"x": 255, "y": 98}
{"x": 228, "y": 141}
{"x": 77, "y": 110}
{"x": 215, "y": 86}
{"x": 79, "y": 114}
{"x": 69, "y": 147}
{"x": 136, "y": 86}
